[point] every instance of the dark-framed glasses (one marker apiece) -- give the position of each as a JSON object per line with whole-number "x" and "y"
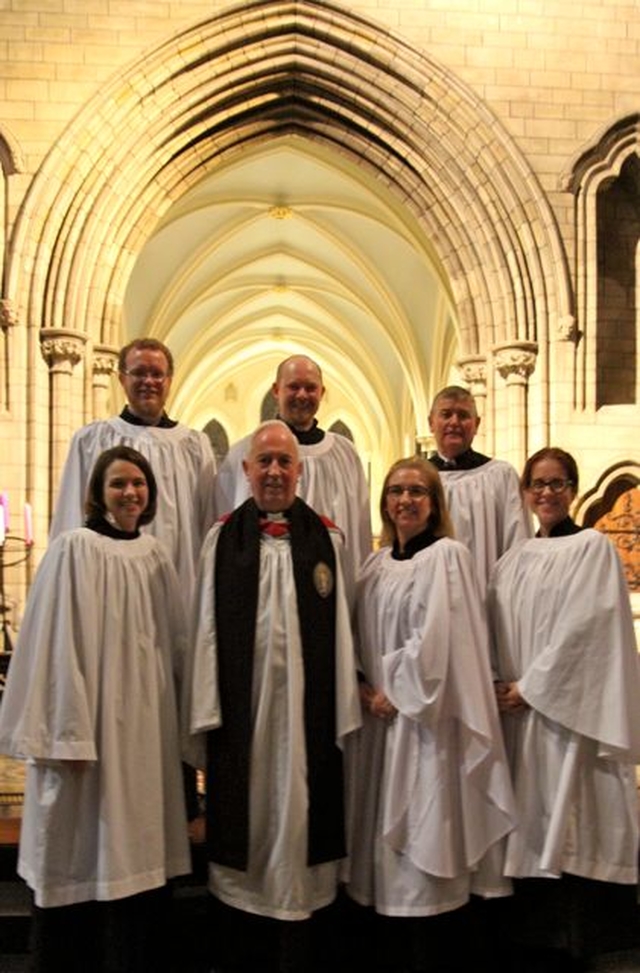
{"x": 415, "y": 491}
{"x": 142, "y": 374}
{"x": 555, "y": 486}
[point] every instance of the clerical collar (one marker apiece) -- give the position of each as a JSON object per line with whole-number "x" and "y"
{"x": 469, "y": 460}
{"x": 102, "y": 526}
{"x": 164, "y": 422}
{"x": 306, "y": 437}
{"x": 413, "y": 545}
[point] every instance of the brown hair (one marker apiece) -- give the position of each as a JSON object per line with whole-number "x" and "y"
{"x": 565, "y": 459}
{"x": 144, "y": 344}
{"x": 439, "y": 520}
{"x": 94, "y": 504}
{"x": 455, "y": 392}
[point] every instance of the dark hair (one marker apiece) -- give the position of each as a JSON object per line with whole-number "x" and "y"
{"x": 144, "y": 344}
{"x": 565, "y": 459}
{"x": 94, "y": 503}
{"x": 439, "y": 520}
{"x": 455, "y": 392}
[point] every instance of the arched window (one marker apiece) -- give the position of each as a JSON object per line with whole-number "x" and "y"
{"x": 605, "y": 181}
{"x": 269, "y": 407}
{"x": 342, "y": 429}
{"x": 218, "y": 439}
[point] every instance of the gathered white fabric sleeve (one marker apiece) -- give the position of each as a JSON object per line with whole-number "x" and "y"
{"x": 581, "y": 666}
{"x": 201, "y": 699}
{"x": 49, "y": 706}
{"x": 440, "y": 682}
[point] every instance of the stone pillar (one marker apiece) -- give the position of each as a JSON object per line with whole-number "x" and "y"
{"x": 515, "y": 362}
{"x": 474, "y": 374}
{"x": 103, "y": 365}
{"x": 7, "y": 322}
{"x": 62, "y": 350}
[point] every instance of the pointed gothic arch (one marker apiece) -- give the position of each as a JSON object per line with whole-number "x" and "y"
{"x": 329, "y": 75}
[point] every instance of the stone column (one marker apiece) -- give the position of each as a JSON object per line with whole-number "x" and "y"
{"x": 7, "y": 322}
{"x": 474, "y": 374}
{"x": 103, "y": 365}
{"x": 62, "y": 350}
{"x": 515, "y": 362}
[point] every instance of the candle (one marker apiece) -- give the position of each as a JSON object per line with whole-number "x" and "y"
{"x": 2, "y": 524}
{"x": 28, "y": 524}
{"x": 4, "y": 502}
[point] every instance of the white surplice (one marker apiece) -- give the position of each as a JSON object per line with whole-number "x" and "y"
{"x": 430, "y": 792}
{"x": 488, "y": 516}
{"x": 184, "y": 467}
{"x": 278, "y": 881}
{"x": 332, "y": 483}
{"x": 93, "y": 678}
{"x": 562, "y": 628}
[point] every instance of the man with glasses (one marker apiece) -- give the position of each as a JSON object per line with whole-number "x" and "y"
{"x": 483, "y": 494}
{"x": 181, "y": 458}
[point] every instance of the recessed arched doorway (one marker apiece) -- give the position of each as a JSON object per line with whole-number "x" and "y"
{"x": 471, "y": 275}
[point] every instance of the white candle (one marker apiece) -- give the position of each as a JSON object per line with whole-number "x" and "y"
{"x": 4, "y": 501}
{"x": 28, "y": 524}
{"x": 2, "y": 526}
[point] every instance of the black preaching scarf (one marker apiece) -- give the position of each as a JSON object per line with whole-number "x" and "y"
{"x": 237, "y": 572}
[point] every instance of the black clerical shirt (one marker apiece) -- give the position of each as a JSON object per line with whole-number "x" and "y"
{"x": 469, "y": 460}
{"x": 306, "y": 437}
{"x": 164, "y": 422}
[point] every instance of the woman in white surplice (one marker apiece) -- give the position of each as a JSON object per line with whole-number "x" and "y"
{"x": 429, "y": 782}
{"x": 91, "y": 703}
{"x": 569, "y": 693}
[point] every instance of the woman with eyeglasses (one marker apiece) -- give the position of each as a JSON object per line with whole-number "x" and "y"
{"x": 569, "y": 694}
{"x": 429, "y": 783}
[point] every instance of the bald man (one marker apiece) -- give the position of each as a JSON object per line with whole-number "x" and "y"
{"x": 332, "y": 480}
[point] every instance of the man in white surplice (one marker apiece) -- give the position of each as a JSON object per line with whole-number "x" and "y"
{"x": 181, "y": 458}
{"x": 483, "y": 494}
{"x": 332, "y": 480}
{"x": 272, "y": 695}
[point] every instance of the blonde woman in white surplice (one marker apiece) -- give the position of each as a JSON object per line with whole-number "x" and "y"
{"x": 429, "y": 780}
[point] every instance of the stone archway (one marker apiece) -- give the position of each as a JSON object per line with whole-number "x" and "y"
{"x": 313, "y": 69}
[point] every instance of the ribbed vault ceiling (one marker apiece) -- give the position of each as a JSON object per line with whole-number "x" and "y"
{"x": 288, "y": 249}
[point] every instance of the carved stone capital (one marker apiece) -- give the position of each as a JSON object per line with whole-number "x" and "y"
{"x": 8, "y": 316}
{"x": 473, "y": 371}
{"x": 62, "y": 349}
{"x": 516, "y": 361}
{"x": 104, "y": 361}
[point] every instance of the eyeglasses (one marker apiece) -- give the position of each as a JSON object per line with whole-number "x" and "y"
{"x": 556, "y": 486}
{"x": 416, "y": 492}
{"x": 140, "y": 374}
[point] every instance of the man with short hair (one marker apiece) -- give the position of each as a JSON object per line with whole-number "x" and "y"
{"x": 270, "y": 699}
{"x": 181, "y": 458}
{"x": 483, "y": 494}
{"x": 332, "y": 481}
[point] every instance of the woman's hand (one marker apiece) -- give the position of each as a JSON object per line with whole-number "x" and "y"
{"x": 375, "y": 702}
{"x": 508, "y": 697}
